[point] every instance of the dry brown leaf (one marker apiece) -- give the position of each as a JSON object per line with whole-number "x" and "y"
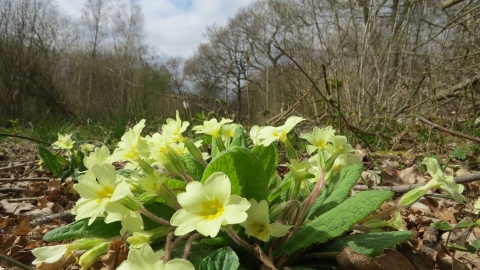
{"x": 442, "y": 212}
{"x": 258, "y": 252}
{"x": 116, "y": 254}
{"x": 393, "y": 260}
{"x": 349, "y": 259}
{"x": 22, "y": 228}
{"x": 16, "y": 208}
{"x": 446, "y": 262}
{"x": 408, "y": 175}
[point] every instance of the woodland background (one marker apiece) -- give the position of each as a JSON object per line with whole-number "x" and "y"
{"x": 383, "y": 60}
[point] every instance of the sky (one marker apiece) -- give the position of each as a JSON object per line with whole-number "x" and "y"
{"x": 175, "y": 27}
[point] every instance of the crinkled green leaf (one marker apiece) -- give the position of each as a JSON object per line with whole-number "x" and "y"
{"x": 370, "y": 244}
{"x": 336, "y": 190}
{"x": 160, "y": 210}
{"x": 194, "y": 167}
{"x": 126, "y": 172}
{"x": 80, "y": 229}
{"x": 239, "y": 138}
{"x": 221, "y": 259}
{"x": 336, "y": 221}
{"x": 198, "y": 251}
{"x": 245, "y": 171}
{"x": 465, "y": 248}
{"x": 50, "y": 161}
{"x": 269, "y": 156}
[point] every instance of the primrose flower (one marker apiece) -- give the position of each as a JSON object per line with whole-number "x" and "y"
{"x": 52, "y": 254}
{"x": 211, "y": 127}
{"x": 100, "y": 155}
{"x": 175, "y": 128}
{"x": 254, "y": 135}
{"x": 439, "y": 180}
{"x": 298, "y": 168}
{"x": 145, "y": 258}
{"x": 258, "y": 224}
{"x": 132, "y": 146}
{"x": 207, "y": 207}
{"x": 95, "y": 196}
{"x": 443, "y": 182}
{"x": 339, "y": 146}
{"x": 228, "y": 131}
{"x": 318, "y": 138}
{"x": 87, "y": 147}
{"x": 343, "y": 160}
{"x": 270, "y": 134}
{"x": 63, "y": 142}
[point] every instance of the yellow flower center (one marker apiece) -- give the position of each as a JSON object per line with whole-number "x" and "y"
{"x": 212, "y": 209}
{"x": 260, "y": 230}
{"x": 105, "y": 192}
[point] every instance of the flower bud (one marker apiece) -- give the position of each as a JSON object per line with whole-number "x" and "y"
{"x": 130, "y": 202}
{"x": 91, "y": 256}
{"x": 412, "y": 196}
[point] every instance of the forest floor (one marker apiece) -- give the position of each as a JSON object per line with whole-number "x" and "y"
{"x": 34, "y": 202}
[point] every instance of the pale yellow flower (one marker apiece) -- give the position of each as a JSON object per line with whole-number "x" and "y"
{"x": 207, "y": 207}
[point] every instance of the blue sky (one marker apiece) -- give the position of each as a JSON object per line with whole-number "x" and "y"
{"x": 175, "y": 27}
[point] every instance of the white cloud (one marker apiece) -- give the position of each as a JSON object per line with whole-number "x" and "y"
{"x": 176, "y": 27}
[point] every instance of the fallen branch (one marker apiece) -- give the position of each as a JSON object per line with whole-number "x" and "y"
{"x": 449, "y": 131}
{"x": 405, "y": 188}
{"x": 65, "y": 216}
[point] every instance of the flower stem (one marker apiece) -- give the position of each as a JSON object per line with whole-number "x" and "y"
{"x": 237, "y": 239}
{"x": 144, "y": 211}
{"x": 189, "y": 245}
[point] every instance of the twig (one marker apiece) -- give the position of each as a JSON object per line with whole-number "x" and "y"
{"x": 449, "y": 131}
{"x": 13, "y": 167}
{"x": 25, "y": 179}
{"x": 14, "y": 262}
{"x": 405, "y": 188}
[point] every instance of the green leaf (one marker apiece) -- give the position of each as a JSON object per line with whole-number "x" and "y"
{"x": 239, "y": 138}
{"x": 336, "y": 190}
{"x": 442, "y": 225}
{"x": 466, "y": 248}
{"x": 80, "y": 229}
{"x": 269, "y": 156}
{"x": 198, "y": 251}
{"x": 370, "y": 244}
{"x": 221, "y": 259}
{"x": 50, "y": 161}
{"x": 194, "y": 167}
{"x": 476, "y": 244}
{"x": 71, "y": 168}
{"x": 160, "y": 210}
{"x": 336, "y": 221}
{"x": 126, "y": 172}
{"x": 214, "y": 151}
{"x": 245, "y": 171}
{"x": 459, "y": 153}
{"x": 282, "y": 189}
{"x": 465, "y": 224}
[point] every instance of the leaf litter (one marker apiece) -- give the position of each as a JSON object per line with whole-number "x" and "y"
{"x": 34, "y": 202}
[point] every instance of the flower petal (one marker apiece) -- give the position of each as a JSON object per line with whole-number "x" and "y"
{"x": 185, "y": 221}
{"x": 179, "y": 264}
{"x": 209, "y": 227}
{"x": 190, "y": 200}
{"x": 218, "y": 186}
{"x": 235, "y": 210}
